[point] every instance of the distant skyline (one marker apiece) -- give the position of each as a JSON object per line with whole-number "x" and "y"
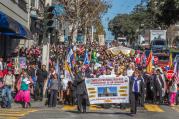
{"x": 118, "y": 7}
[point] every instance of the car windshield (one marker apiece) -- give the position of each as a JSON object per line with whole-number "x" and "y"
{"x": 163, "y": 58}
{"x": 159, "y": 43}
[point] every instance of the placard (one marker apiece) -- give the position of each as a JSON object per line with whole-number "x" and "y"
{"x": 107, "y": 90}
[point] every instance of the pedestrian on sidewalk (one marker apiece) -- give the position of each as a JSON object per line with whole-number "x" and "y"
{"x": 9, "y": 82}
{"x": 53, "y": 88}
{"x": 173, "y": 92}
{"x": 23, "y": 86}
{"x": 42, "y": 75}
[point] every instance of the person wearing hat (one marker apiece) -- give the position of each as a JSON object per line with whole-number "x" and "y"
{"x": 9, "y": 83}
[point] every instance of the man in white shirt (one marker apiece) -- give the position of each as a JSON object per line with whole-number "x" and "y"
{"x": 9, "y": 82}
{"x": 130, "y": 71}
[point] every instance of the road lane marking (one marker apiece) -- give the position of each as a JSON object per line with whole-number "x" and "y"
{"x": 15, "y": 113}
{"x": 95, "y": 108}
{"x": 153, "y": 108}
{"x": 69, "y": 108}
{"x": 72, "y": 108}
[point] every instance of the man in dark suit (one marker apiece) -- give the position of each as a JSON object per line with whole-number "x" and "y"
{"x": 81, "y": 91}
{"x": 158, "y": 86}
{"x": 136, "y": 90}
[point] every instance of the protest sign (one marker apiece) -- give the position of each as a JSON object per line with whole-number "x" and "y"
{"x": 107, "y": 90}
{"x": 22, "y": 62}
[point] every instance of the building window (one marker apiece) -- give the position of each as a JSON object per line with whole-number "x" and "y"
{"x": 14, "y": 1}
{"x": 32, "y": 3}
{"x": 22, "y": 5}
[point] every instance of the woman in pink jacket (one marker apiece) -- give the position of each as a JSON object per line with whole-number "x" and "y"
{"x": 23, "y": 86}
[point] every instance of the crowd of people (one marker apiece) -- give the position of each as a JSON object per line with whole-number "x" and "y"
{"x": 35, "y": 82}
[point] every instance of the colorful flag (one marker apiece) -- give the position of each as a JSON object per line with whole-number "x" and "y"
{"x": 70, "y": 58}
{"x": 86, "y": 59}
{"x": 94, "y": 56}
{"x": 68, "y": 72}
{"x": 176, "y": 72}
{"x": 171, "y": 61}
{"x": 149, "y": 63}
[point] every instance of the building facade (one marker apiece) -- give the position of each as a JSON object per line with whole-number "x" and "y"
{"x": 14, "y": 24}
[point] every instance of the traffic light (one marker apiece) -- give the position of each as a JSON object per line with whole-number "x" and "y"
{"x": 49, "y": 19}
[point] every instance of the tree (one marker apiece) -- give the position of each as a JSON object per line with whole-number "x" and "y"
{"x": 81, "y": 14}
{"x": 128, "y": 25}
{"x": 169, "y": 10}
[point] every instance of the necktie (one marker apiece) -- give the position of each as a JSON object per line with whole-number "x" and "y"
{"x": 135, "y": 86}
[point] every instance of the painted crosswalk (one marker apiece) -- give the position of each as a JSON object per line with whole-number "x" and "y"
{"x": 15, "y": 113}
{"x": 147, "y": 107}
{"x": 90, "y": 108}
{"x": 153, "y": 108}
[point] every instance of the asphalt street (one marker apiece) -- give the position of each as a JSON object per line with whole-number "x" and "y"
{"x": 94, "y": 112}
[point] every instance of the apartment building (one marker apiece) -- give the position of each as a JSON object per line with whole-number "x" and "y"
{"x": 14, "y": 24}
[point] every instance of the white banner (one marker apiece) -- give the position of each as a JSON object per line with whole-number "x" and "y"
{"x": 107, "y": 90}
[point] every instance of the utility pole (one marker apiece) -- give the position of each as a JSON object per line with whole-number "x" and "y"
{"x": 92, "y": 33}
{"x": 46, "y": 40}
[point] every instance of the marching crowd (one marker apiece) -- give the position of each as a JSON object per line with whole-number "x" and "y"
{"x": 35, "y": 82}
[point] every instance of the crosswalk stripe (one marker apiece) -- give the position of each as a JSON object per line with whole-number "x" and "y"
{"x": 95, "y": 108}
{"x": 153, "y": 108}
{"x": 69, "y": 108}
{"x": 15, "y": 113}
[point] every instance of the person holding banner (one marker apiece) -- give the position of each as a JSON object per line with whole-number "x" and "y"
{"x": 81, "y": 91}
{"x": 136, "y": 90}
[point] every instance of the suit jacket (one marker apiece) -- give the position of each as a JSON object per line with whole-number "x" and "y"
{"x": 132, "y": 83}
{"x": 156, "y": 82}
{"x": 81, "y": 86}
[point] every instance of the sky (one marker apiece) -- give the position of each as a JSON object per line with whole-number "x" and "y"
{"x": 118, "y": 7}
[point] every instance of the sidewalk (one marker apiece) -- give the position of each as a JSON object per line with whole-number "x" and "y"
{"x": 34, "y": 104}
{"x": 176, "y": 108}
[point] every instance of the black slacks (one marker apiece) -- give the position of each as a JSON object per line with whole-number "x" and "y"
{"x": 82, "y": 103}
{"x": 134, "y": 102}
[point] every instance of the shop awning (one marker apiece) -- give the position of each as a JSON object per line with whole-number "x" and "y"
{"x": 11, "y": 28}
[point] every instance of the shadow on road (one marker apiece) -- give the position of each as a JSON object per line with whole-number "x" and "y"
{"x": 104, "y": 113}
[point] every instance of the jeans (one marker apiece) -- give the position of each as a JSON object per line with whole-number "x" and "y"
{"x": 40, "y": 86}
{"x": 53, "y": 98}
{"x": 6, "y": 92}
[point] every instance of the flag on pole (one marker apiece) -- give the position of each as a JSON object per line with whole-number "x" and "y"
{"x": 68, "y": 72}
{"x": 171, "y": 61}
{"x": 94, "y": 56}
{"x": 176, "y": 72}
{"x": 149, "y": 63}
{"x": 70, "y": 58}
{"x": 86, "y": 58}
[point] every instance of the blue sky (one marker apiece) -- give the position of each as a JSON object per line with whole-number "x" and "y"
{"x": 118, "y": 7}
